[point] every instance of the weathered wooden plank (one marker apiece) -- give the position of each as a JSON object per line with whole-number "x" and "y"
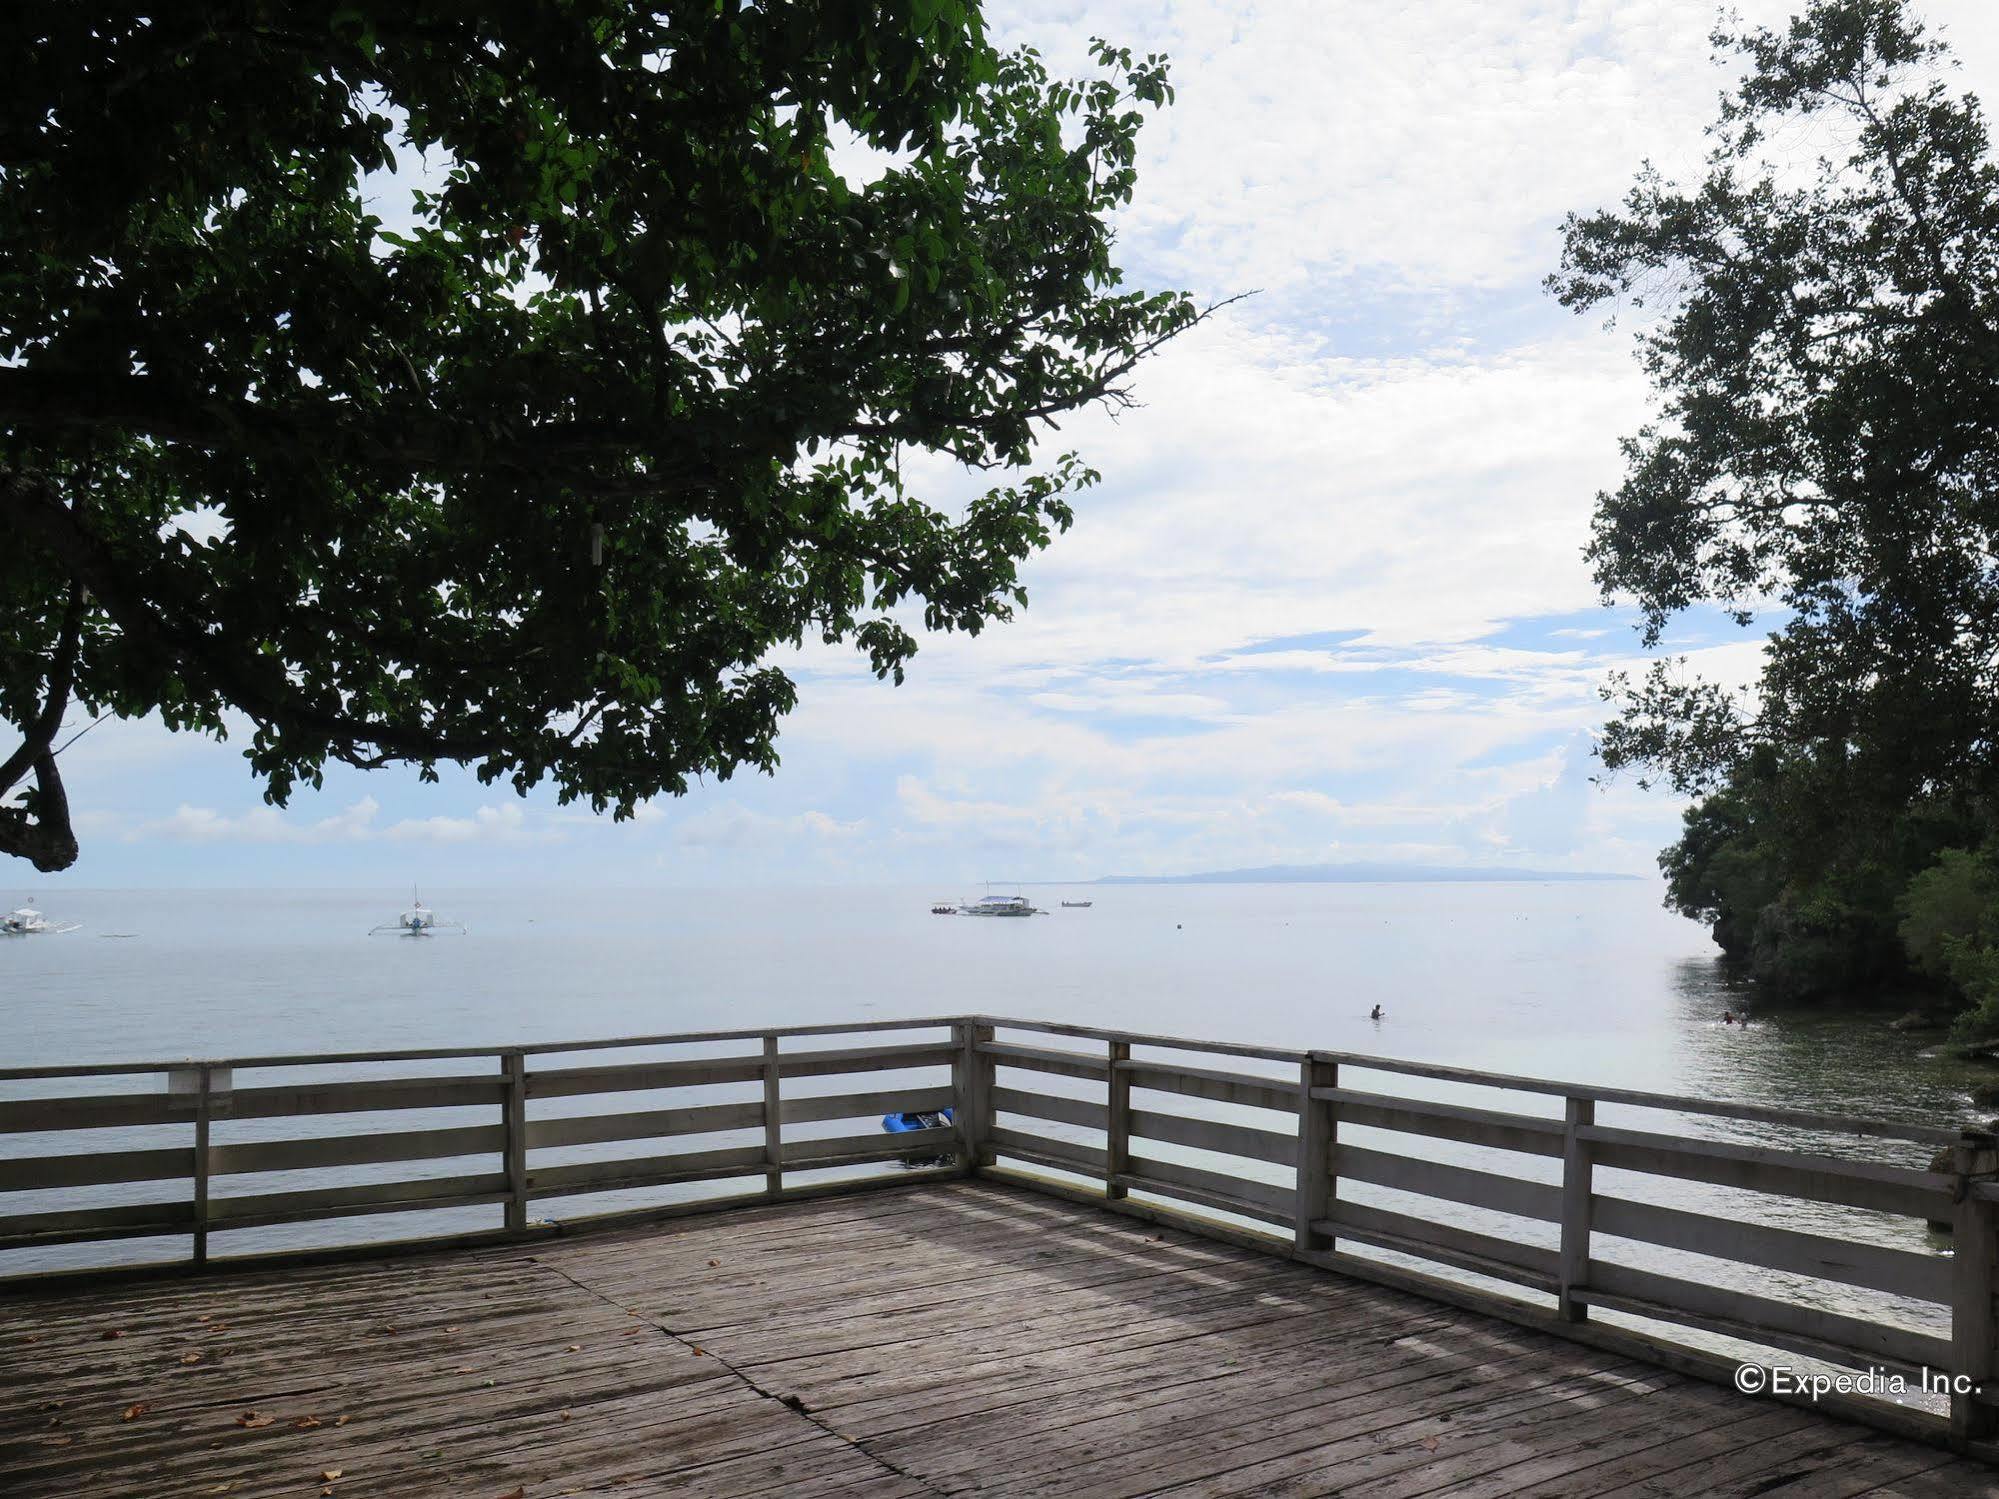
{"x": 357, "y": 1150}
{"x": 972, "y": 1086}
{"x": 647, "y": 1124}
{"x": 866, "y": 1105}
{"x": 1207, "y": 1134}
{"x": 1761, "y": 1319}
{"x": 861, "y": 1150}
{"x": 1839, "y": 1124}
{"x": 1241, "y": 1088}
{"x": 94, "y": 1168}
{"x": 641, "y": 1077}
{"x": 875, "y": 1146}
{"x": 1315, "y": 1154}
{"x": 1503, "y": 1259}
{"x": 1117, "y": 1120}
{"x": 1077, "y": 1111}
{"x": 364, "y": 1096}
{"x": 265, "y": 1208}
{"x": 1484, "y": 1189}
{"x": 1045, "y": 1059}
{"x": 1447, "y": 1121}
{"x": 1270, "y": 1202}
{"x": 1088, "y": 1159}
{"x": 1900, "y": 1272}
{"x": 577, "y": 1177}
{"x": 1137, "y": 1038}
{"x": 1578, "y": 1208}
{"x": 107, "y": 1111}
{"x": 1972, "y": 1285}
{"x": 1784, "y": 1173}
{"x": 773, "y": 1119}
{"x": 452, "y": 1053}
{"x": 866, "y": 1059}
{"x": 72, "y": 1225}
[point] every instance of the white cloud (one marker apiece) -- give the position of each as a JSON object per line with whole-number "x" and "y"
{"x": 190, "y": 824}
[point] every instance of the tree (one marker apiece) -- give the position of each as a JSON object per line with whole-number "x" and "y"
{"x": 1827, "y": 364}
{"x": 537, "y": 480}
{"x": 1824, "y": 344}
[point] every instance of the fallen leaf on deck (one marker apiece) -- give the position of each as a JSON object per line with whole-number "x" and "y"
{"x": 223, "y": 1488}
{"x": 251, "y": 1418}
{"x": 1430, "y": 1443}
{"x": 135, "y": 1410}
{"x": 61, "y": 1441}
{"x": 306, "y": 1423}
{"x": 190, "y": 1358}
{"x": 341, "y": 1420}
{"x": 574, "y": 1348}
{"x": 451, "y": 1329}
{"x": 330, "y": 1474}
{"x": 203, "y": 1318}
{"x": 631, "y": 1332}
{"x": 565, "y": 1415}
{"x": 112, "y": 1332}
{"x": 714, "y": 1264}
{"x": 699, "y": 1351}
{"x": 519, "y": 1491}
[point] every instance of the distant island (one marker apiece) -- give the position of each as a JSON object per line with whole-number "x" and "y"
{"x": 1360, "y": 874}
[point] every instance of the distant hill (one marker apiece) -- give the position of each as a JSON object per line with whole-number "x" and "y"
{"x": 1361, "y": 874}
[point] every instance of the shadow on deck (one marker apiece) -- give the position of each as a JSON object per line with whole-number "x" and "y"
{"x": 949, "y": 1338}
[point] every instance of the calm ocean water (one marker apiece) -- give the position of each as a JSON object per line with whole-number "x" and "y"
{"x": 1586, "y": 982}
{"x": 1590, "y": 983}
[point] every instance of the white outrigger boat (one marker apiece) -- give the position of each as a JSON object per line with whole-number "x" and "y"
{"x": 26, "y": 921}
{"x": 418, "y": 921}
{"x": 999, "y": 905}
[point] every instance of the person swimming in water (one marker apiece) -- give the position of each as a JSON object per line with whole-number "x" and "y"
{"x": 1375, "y": 1013}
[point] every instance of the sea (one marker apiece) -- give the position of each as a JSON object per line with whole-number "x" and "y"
{"x": 1593, "y": 983}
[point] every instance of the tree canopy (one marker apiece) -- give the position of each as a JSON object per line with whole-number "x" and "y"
{"x": 533, "y": 471}
{"x": 1823, "y": 336}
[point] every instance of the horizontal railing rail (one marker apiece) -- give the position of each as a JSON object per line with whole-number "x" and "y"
{"x": 1294, "y": 1149}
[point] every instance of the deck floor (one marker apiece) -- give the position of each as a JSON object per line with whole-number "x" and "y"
{"x": 949, "y": 1338}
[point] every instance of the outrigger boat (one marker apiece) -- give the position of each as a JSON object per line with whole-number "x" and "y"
{"x": 1077, "y": 905}
{"x": 999, "y": 905}
{"x": 26, "y": 921}
{"x": 418, "y": 921}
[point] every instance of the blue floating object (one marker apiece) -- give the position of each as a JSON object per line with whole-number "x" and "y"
{"x": 902, "y": 1124}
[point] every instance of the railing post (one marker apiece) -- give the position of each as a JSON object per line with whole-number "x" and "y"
{"x": 1117, "y": 1120}
{"x": 1318, "y": 1135}
{"x": 773, "y": 1120}
{"x": 202, "y": 1111}
{"x": 1975, "y": 1159}
{"x": 972, "y": 1094}
{"x": 1576, "y": 1188}
{"x": 514, "y": 1120}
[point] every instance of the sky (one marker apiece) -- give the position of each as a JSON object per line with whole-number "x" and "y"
{"x": 1329, "y": 602}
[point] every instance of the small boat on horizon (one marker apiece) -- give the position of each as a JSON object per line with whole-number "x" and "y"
{"x": 943, "y": 908}
{"x": 26, "y": 921}
{"x": 1077, "y": 905}
{"x": 418, "y": 921}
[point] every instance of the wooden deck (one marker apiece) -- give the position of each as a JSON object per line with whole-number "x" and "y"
{"x": 949, "y": 1338}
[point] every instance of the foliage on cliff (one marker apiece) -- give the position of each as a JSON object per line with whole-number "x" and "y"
{"x": 1823, "y": 338}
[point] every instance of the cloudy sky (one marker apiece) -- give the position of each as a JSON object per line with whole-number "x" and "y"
{"x": 1328, "y": 603}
